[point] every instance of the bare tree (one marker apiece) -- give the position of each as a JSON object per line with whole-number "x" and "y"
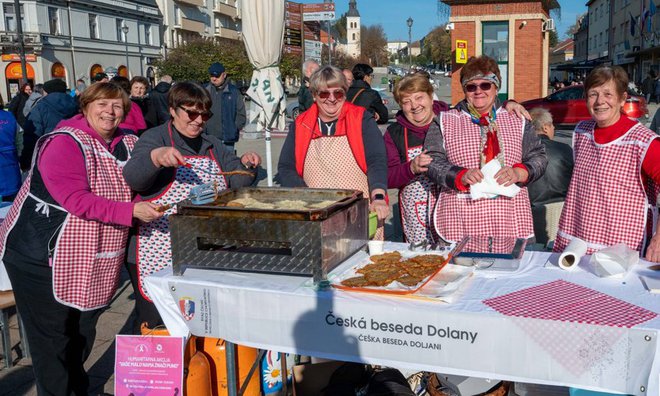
{"x": 437, "y": 46}
{"x": 374, "y": 45}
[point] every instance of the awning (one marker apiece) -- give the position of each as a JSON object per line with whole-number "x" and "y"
{"x": 645, "y": 51}
{"x": 584, "y": 65}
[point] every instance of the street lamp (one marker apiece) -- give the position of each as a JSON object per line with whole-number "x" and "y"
{"x": 409, "y": 22}
{"x": 124, "y": 29}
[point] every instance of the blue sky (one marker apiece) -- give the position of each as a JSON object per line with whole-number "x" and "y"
{"x": 392, "y": 15}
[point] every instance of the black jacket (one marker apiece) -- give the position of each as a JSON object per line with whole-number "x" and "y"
{"x": 553, "y": 185}
{"x": 157, "y": 112}
{"x": 367, "y": 98}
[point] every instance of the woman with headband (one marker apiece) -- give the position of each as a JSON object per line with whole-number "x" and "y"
{"x": 473, "y": 134}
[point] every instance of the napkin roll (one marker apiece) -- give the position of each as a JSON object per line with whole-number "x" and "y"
{"x": 572, "y": 254}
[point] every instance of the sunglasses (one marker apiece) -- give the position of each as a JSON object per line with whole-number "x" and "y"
{"x": 337, "y": 93}
{"x": 484, "y": 86}
{"x": 192, "y": 114}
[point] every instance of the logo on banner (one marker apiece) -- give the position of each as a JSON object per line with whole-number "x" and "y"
{"x": 187, "y": 307}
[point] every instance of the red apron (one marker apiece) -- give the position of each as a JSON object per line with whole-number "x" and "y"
{"x": 154, "y": 246}
{"x": 607, "y": 202}
{"x": 415, "y": 200}
{"x": 456, "y": 214}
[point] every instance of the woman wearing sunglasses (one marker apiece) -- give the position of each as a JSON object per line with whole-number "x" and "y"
{"x": 167, "y": 162}
{"x": 407, "y": 162}
{"x": 476, "y": 132}
{"x": 335, "y": 144}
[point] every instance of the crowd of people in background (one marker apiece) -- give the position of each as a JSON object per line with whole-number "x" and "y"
{"x": 112, "y": 158}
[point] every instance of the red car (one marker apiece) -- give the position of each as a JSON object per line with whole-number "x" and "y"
{"x": 568, "y": 105}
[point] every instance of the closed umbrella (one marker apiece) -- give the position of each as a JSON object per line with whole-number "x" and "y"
{"x": 263, "y": 32}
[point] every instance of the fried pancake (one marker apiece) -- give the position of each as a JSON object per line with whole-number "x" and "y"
{"x": 358, "y": 281}
{"x": 410, "y": 280}
{"x": 383, "y": 278}
{"x": 428, "y": 259}
{"x": 376, "y": 267}
{"x": 420, "y": 272}
{"x": 386, "y": 257}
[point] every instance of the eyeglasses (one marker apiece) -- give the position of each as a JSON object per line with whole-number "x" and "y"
{"x": 192, "y": 114}
{"x": 337, "y": 93}
{"x": 484, "y": 86}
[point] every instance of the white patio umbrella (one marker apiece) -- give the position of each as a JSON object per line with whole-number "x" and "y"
{"x": 263, "y": 32}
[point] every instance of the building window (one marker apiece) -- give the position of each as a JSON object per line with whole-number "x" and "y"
{"x": 177, "y": 15}
{"x": 353, "y": 36}
{"x": 53, "y": 20}
{"x": 58, "y": 71}
{"x": 10, "y": 17}
{"x": 93, "y": 26}
{"x": 120, "y": 35}
{"x": 147, "y": 34}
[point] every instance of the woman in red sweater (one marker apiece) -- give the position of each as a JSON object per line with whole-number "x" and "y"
{"x": 614, "y": 188}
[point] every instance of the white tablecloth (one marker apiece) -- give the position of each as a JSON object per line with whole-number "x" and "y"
{"x": 466, "y": 337}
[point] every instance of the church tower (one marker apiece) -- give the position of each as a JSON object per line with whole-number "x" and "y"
{"x": 353, "y": 47}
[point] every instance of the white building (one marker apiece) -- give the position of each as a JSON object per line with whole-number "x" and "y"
{"x": 599, "y": 25}
{"x": 394, "y": 47}
{"x": 76, "y": 39}
{"x": 186, "y": 20}
{"x": 353, "y": 47}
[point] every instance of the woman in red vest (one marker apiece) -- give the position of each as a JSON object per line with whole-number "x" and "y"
{"x": 336, "y": 144}
{"x": 614, "y": 189}
{"x": 473, "y": 134}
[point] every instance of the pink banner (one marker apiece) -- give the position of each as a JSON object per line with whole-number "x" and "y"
{"x": 148, "y": 365}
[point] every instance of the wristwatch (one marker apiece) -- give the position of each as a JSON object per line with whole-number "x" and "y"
{"x": 381, "y": 197}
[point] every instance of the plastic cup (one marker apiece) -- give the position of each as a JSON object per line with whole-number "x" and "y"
{"x": 375, "y": 247}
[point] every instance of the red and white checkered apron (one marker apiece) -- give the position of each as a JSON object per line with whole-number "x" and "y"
{"x": 456, "y": 214}
{"x": 415, "y": 200}
{"x": 330, "y": 163}
{"x": 88, "y": 254}
{"x": 607, "y": 202}
{"x": 154, "y": 246}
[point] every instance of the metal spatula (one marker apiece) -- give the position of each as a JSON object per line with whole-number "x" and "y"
{"x": 199, "y": 195}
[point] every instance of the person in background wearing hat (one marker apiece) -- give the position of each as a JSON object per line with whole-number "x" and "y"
{"x": 54, "y": 107}
{"x": 100, "y": 77}
{"x": 227, "y": 107}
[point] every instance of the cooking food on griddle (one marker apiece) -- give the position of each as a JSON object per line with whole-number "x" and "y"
{"x": 291, "y": 204}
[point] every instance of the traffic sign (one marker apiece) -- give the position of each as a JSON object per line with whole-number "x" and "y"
{"x": 461, "y": 51}
{"x": 318, "y": 12}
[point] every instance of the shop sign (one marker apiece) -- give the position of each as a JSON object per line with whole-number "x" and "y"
{"x": 17, "y": 58}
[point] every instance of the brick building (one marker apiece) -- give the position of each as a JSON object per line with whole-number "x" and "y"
{"x": 514, "y": 32}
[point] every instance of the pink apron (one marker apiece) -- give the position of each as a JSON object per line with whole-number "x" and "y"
{"x": 330, "y": 164}
{"x": 154, "y": 246}
{"x": 415, "y": 200}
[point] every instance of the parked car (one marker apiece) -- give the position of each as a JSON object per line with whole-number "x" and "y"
{"x": 568, "y": 105}
{"x": 292, "y": 110}
{"x": 388, "y": 101}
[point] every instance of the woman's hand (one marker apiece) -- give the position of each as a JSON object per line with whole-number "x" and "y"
{"x": 250, "y": 159}
{"x": 508, "y": 176}
{"x": 653, "y": 250}
{"x": 381, "y": 208}
{"x": 518, "y": 109}
{"x": 167, "y": 157}
{"x": 420, "y": 164}
{"x": 146, "y": 211}
{"x": 472, "y": 176}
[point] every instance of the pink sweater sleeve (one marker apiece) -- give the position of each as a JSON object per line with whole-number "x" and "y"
{"x": 62, "y": 167}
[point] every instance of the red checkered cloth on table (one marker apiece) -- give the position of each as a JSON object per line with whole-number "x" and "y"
{"x": 568, "y": 302}
{"x": 456, "y": 214}
{"x": 607, "y": 202}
